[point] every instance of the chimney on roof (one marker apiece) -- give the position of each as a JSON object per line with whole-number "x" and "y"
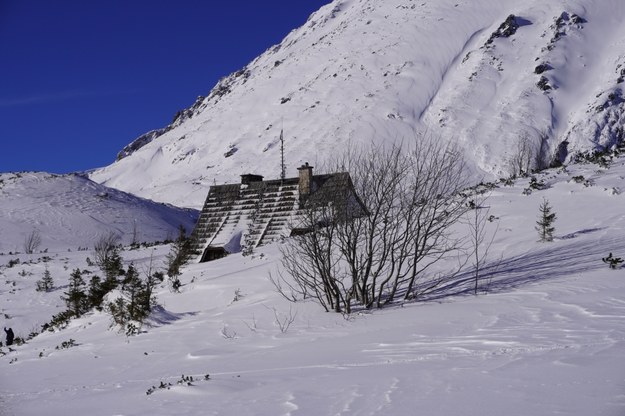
{"x": 305, "y": 179}
{"x": 250, "y": 177}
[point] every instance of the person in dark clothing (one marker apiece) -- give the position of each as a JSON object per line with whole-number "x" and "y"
{"x": 10, "y": 336}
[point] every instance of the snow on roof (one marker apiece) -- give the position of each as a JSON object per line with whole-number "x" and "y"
{"x": 255, "y": 213}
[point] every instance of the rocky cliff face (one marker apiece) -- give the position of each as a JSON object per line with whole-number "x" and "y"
{"x": 486, "y": 75}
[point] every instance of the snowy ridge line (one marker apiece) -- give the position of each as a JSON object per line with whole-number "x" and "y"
{"x": 363, "y": 72}
{"x": 71, "y": 211}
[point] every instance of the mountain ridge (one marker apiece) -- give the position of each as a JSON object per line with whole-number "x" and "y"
{"x": 71, "y": 211}
{"x": 358, "y": 73}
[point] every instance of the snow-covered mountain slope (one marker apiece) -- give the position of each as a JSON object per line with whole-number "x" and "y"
{"x": 71, "y": 211}
{"x": 545, "y": 335}
{"x": 362, "y": 71}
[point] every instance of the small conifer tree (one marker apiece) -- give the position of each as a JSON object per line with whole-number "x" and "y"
{"x": 119, "y": 311}
{"x": 96, "y": 293}
{"x": 46, "y": 284}
{"x": 112, "y": 269}
{"x": 134, "y": 291}
{"x": 546, "y": 218}
{"x": 136, "y": 300}
{"x": 148, "y": 299}
{"x": 179, "y": 254}
{"x": 75, "y": 297}
{"x": 181, "y": 251}
{"x": 107, "y": 258}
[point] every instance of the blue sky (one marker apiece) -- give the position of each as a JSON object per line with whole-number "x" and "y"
{"x": 80, "y": 79}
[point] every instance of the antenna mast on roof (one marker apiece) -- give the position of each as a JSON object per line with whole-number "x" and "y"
{"x": 282, "y": 166}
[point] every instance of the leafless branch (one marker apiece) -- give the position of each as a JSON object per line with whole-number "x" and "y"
{"x": 413, "y": 199}
{"x": 284, "y": 321}
{"x": 32, "y": 242}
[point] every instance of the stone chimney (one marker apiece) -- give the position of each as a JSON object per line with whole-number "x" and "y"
{"x": 305, "y": 179}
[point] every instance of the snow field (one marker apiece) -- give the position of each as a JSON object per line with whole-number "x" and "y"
{"x": 545, "y": 335}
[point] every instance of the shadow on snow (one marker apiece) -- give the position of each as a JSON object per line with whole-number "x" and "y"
{"x": 550, "y": 261}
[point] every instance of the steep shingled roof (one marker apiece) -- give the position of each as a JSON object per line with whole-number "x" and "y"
{"x": 243, "y": 216}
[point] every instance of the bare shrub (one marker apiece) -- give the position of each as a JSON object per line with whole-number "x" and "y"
{"x": 284, "y": 321}
{"x": 252, "y": 326}
{"x": 523, "y": 156}
{"x": 32, "y": 242}
{"x": 104, "y": 248}
{"x": 107, "y": 258}
{"x": 479, "y": 242}
{"x": 412, "y": 199}
{"x": 227, "y": 333}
